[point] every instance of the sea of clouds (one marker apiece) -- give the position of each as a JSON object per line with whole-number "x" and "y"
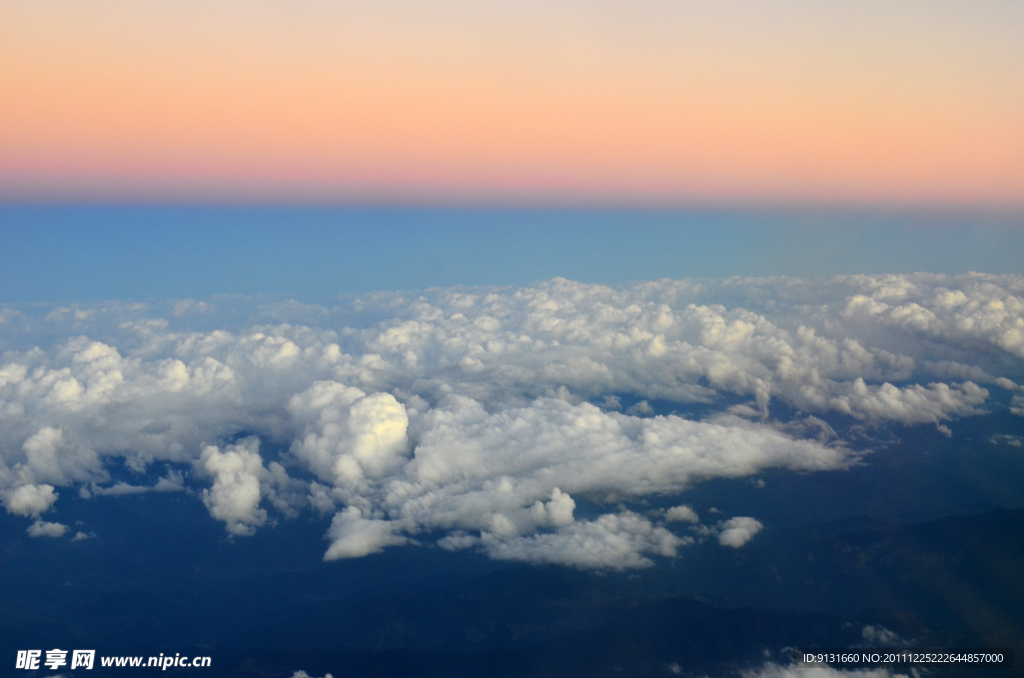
{"x": 476, "y": 418}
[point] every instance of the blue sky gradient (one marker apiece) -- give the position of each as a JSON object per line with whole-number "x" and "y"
{"x": 52, "y": 253}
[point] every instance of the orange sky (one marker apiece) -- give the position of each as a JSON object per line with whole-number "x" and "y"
{"x": 646, "y": 102}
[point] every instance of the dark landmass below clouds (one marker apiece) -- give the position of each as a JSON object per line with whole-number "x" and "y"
{"x": 276, "y": 607}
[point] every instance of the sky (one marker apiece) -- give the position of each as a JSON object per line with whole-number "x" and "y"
{"x": 58, "y": 253}
{"x": 551, "y": 103}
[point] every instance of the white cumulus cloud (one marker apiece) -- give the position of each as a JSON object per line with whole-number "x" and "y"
{"x": 738, "y": 531}
{"x": 681, "y": 514}
{"x": 235, "y": 495}
{"x": 351, "y": 436}
{"x": 41, "y": 528}
{"x": 353, "y": 536}
{"x": 613, "y": 541}
{"x": 29, "y": 500}
{"x": 466, "y": 413}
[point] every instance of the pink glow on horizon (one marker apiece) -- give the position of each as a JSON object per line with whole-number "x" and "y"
{"x": 561, "y": 101}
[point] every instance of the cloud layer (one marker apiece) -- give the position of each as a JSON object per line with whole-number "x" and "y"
{"x": 481, "y": 418}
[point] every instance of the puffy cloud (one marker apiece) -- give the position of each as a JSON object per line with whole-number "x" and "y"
{"x": 42, "y": 528}
{"x": 235, "y": 495}
{"x": 513, "y": 473}
{"x": 556, "y": 512}
{"x": 525, "y": 452}
{"x": 350, "y": 436}
{"x": 982, "y": 310}
{"x": 681, "y": 514}
{"x": 353, "y": 536}
{"x": 910, "y": 405}
{"x": 509, "y": 477}
{"x": 738, "y": 531}
{"x": 29, "y": 500}
{"x": 466, "y": 412}
{"x": 52, "y": 458}
{"x": 613, "y": 541}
